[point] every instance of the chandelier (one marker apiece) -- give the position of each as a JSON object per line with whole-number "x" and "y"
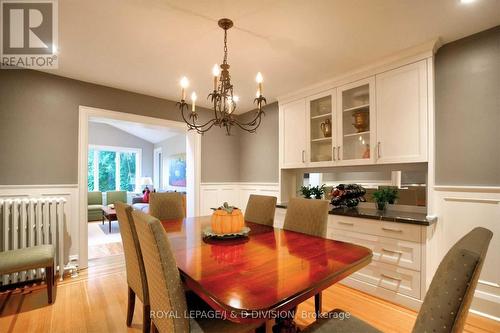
{"x": 222, "y": 98}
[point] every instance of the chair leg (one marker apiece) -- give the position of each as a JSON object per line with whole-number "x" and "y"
{"x": 146, "y": 319}
{"x": 130, "y": 306}
{"x": 49, "y": 277}
{"x": 317, "y": 304}
{"x": 261, "y": 328}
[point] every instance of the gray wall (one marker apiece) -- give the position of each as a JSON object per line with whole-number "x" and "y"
{"x": 468, "y": 111}
{"x": 106, "y": 135}
{"x": 39, "y": 127}
{"x": 259, "y": 161}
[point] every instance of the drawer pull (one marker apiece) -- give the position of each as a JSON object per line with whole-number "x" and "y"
{"x": 390, "y": 229}
{"x": 390, "y": 277}
{"x": 392, "y": 251}
{"x": 346, "y": 223}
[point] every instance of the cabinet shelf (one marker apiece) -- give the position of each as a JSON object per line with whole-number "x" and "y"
{"x": 360, "y": 107}
{"x": 321, "y": 116}
{"x": 356, "y": 134}
{"x": 321, "y": 139}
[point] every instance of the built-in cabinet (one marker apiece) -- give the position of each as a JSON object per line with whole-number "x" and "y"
{"x": 378, "y": 119}
{"x": 402, "y": 114}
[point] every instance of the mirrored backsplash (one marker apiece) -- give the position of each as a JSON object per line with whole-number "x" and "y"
{"x": 409, "y": 180}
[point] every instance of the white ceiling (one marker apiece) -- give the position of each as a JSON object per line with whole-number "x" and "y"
{"x": 150, "y": 133}
{"x": 146, "y": 46}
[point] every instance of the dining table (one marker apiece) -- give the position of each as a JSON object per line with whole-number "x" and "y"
{"x": 262, "y": 276}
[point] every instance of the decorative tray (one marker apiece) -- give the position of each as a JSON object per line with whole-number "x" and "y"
{"x": 210, "y": 234}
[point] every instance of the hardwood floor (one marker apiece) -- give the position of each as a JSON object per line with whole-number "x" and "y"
{"x": 96, "y": 301}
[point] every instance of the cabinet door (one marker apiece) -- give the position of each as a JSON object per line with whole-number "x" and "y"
{"x": 293, "y": 134}
{"x": 356, "y": 123}
{"x": 402, "y": 114}
{"x": 321, "y": 129}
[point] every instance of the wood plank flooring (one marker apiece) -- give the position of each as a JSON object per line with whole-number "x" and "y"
{"x": 96, "y": 301}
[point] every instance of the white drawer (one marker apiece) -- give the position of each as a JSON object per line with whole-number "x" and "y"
{"x": 395, "y": 230}
{"x": 393, "y": 278}
{"x": 386, "y": 250}
{"x": 279, "y": 217}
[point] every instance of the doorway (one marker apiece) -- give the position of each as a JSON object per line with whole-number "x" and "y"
{"x": 121, "y": 152}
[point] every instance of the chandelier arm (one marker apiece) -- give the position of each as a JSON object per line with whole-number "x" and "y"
{"x": 249, "y": 127}
{"x": 192, "y": 124}
{"x": 254, "y": 120}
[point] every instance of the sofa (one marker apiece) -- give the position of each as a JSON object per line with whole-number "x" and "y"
{"x": 94, "y": 202}
{"x": 116, "y": 196}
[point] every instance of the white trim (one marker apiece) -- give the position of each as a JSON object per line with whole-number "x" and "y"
{"x": 42, "y": 186}
{"x": 458, "y": 188}
{"x": 410, "y": 55}
{"x": 482, "y": 314}
{"x": 86, "y": 113}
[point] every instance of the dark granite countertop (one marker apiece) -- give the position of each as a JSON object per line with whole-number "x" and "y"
{"x": 388, "y": 215}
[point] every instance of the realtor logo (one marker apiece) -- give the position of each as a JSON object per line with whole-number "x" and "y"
{"x": 29, "y": 34}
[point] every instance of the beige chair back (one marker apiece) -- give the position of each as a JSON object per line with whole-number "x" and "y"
{"x": 308, "y": 216}
{"x": 166, "y": 206}
{"x": 450, "y": 294}
{"x": 260, "y": 209}
{"x": 167, "y": 298}
{"x": 136, "y": 273}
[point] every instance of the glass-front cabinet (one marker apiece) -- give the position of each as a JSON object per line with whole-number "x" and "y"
{"x": 322, "y": 127}
{"x": 355, "y": 123}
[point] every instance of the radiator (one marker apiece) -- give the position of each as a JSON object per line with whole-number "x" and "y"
{"x": 29, "y": 222}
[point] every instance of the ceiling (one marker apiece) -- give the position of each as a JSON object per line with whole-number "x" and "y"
{"x": 150, "y": 133}
{"x": 147, "y": 46}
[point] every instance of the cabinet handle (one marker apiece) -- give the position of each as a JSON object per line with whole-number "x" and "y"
{"x": 392, "y": 251}
{"x": 338, "y": 153}
{"x": 303, "y": 156}
{"x": 390, "y": 229}
{"x": 346, "y": 223}
{"x": 333, "y": 153}
{"x": 390, "y": 277}
{"x": 378, "y": 149}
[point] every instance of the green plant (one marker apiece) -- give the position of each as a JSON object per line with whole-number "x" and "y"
{"x": 385, "y": 195}
{"x": 318, "y": 191}
{"x": 305, "y": 191}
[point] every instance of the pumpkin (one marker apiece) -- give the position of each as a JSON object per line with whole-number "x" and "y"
{"x": 227, "y": 220}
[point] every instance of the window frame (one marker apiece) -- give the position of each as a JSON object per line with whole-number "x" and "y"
{"x": 117, "y": 150}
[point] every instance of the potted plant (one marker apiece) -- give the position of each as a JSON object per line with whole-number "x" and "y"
{"x": 305, "y": 191}
{"x": 384, "y": 196}
{"x": 318, "y": 191}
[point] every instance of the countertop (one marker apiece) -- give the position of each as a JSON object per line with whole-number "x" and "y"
{"x": 388, "y": 215}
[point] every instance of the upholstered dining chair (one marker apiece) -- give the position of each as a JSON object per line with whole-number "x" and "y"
{"x": 166, "y": 206}
{"x": 260, "y": 209}
{"x": 165, "y": 287}
{"x": 448, "y": 299}
{"x": 308, "y": 216}
{"x": 134, "y": 264}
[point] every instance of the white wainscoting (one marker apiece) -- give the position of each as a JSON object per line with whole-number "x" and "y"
{"x": 459, "y": 210}
{"x": 67, "y": 191}
{"x": 213, "y": 195}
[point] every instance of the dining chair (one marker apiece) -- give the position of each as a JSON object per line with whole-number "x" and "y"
{"x": 448, "y": 299}
{"x": 260, "y": 209}
{"x": 308, "y": 216}
{"x": 166, "y": 206}
{"x": 167, "y": 297}
{"x": 134, "y": 264}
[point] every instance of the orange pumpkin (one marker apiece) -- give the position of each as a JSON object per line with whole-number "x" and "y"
{"x": 224, "y": 222}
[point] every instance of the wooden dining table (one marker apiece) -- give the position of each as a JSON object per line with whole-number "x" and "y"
{"x": 263, "y": 276}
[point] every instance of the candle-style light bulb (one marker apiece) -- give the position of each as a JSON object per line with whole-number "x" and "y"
{"x": 193, "y": 101}
{"x": 215, "y": 73}
{"x": 259, "y": 80}
{"x": 184, "y": 85}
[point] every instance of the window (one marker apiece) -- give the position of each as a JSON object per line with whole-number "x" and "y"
{"x": 113, "y": 168}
